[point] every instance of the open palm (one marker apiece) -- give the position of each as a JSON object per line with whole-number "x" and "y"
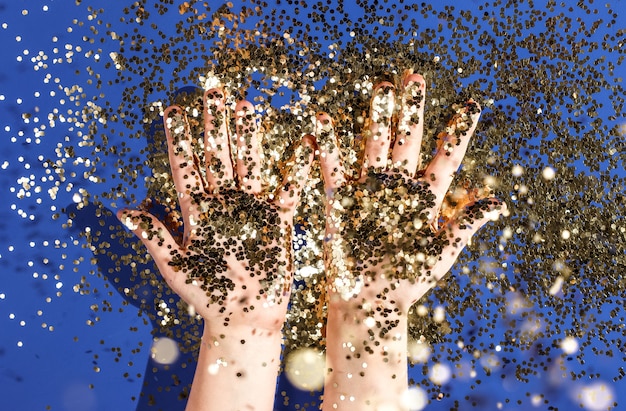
{"x": 386, "y": 240}
{"x": 233, "y": 265}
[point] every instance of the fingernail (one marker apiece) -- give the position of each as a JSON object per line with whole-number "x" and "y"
{"x": 492, "y": 208}
{"x": 413, "y": 80}
{"x": 490, "y": 203}
{"x": 129, "y": 221}
{"x": 466, "y": 115}
{"x": 309, "y": 140}
{"x": 323, "y": 123}
{"x": 472, "y": 107}
{"x": 413, "y": 91}
{"x": 121, "y": 213}
{"x": 174, "y": 119}
{"x": 214, "y": 95}
{"x": 244, "y": 108}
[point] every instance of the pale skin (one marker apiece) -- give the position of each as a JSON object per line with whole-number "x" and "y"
{"x": 368, "y": 303}
{"x": 368, "y": 297}
{"x": 239, "y": 357}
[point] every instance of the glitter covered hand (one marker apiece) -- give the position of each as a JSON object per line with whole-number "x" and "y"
{"x": 233, "y": 265}
{"x": 387, "y": 244}
{"x": 385, "y": 229}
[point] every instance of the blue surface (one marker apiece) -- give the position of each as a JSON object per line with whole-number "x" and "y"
{"x": 56, "y": 351}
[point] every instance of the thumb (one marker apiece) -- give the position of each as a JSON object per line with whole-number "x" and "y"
{"x": 153, "y": 234}
{"x": 460, "y": 229}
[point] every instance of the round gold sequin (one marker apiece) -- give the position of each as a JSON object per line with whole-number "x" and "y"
{"x": 550, "y": 143}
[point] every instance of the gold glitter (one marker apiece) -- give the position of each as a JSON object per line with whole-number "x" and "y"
{"x": 550, "y": 142}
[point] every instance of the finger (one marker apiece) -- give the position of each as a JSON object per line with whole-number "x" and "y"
{"x": 185, "y": 172}
{"x": 157, "y": 239}
{"x": 248, "y": 154}
{"x": 289, "y": 194}
{"x": 406, "y": 150}
{"x": 452, "y": 146}
{"x": 330, "y": 156}
{"x": 460, "y": 229}
{"x": 379, "y": 138}
{"x": 216, "y": 142}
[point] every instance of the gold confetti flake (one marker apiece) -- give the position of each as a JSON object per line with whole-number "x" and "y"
{"x": 550, "y": 142}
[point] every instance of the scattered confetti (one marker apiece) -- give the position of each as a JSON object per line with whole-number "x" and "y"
{"x": 550, "y": 143}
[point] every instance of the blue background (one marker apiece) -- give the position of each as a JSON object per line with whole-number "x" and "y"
{"x": 56, "y": 351}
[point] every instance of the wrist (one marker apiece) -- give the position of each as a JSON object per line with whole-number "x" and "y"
{"x": 242, "y": 346}
{"x": 240, "y": 356}
{"x": 219, "y": 330}
{"x": 366, "y": 324}
{"x": 365, "y": 344}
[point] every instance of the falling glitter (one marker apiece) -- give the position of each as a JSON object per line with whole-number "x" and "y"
{"x": 305, "y": 369}
{"x": 569, "y": 345}
{"x": 419, "y": 351}
{"x": 414, "y": 399}
{"x": 164, "y": 350}
{"x": 548, "y": 173}
{"x": 596, "y": 397}
{"x": 550, "y": 143}
{"x": 440, "y": 373}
